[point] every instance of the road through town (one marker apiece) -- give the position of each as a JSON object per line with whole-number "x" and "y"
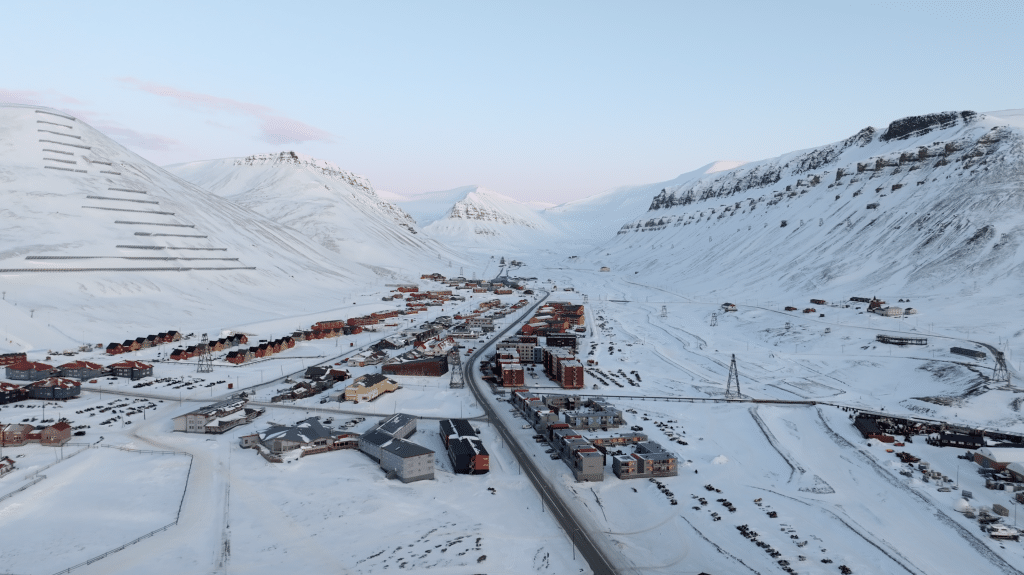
{"x": 574, "y": 529}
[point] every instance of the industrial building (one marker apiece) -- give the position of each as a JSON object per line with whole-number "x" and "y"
{"x": 386, "y": 444}
{"x": 431, "y": 366}
{"x": 465, "y": 449}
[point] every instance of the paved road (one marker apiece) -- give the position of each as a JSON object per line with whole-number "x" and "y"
{"x": 331, "y": 411}
{"x": 582, "y": 539}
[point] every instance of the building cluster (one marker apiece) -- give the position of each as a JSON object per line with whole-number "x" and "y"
{"x": 64, "y": 381}
{"x": 649, "y": 459}
{"x": 219, "y": 345}
{"x": 387, "y": 444}
{"x": 11, "y": 358}
{"x": 326, "y": 329}
{"x": 264, "y": 349}
{"x": 879, "y": 307}
{"x": 465, "y": 450}
{"x": 16, "y": 434}
{"x": 563, "y": 418}
{"x": 499, "y": 285}
{"x": 556, "y": 317}
{"x": 217, "y": 417}
{"x": 138, "y": 343}
{"x": 309, "y": 437}
{"x": 374, "y": 319}
{"x": 555, "y": 352}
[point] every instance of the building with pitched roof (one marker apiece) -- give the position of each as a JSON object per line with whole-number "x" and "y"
{"x": 28, "y": 371}
{"x": 81, "y": 370}
{"x": 54, "y": 388}
{"x": 217, "y": 417}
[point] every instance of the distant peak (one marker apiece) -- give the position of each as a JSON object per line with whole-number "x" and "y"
{"x": 307, "y": 162}
{"x": 722, "y": 166}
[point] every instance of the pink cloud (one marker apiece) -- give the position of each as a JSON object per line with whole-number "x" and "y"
{"x": 20, "y": 96}
{"x": 274, "y": 129}
{"x": 134, "y": 139}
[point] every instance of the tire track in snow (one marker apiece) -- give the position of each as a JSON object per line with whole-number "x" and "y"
{"x": 783, "y": 453}
{"x": 969, "y": 537}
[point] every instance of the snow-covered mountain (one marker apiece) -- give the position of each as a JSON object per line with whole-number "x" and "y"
{"x": 336, "y": 208}
{"x": 93, "y": 230}
{"x": 932, "y": 202}
{"x": 477, "y": 217}
{"x": 597, "y": 218}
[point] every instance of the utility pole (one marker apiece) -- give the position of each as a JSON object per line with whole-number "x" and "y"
{"x": 664, "y": 311}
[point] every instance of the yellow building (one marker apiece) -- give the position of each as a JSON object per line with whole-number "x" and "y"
{"x": 369, "y": 387}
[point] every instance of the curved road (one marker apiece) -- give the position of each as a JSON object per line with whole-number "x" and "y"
{"x": 573, "y": 528}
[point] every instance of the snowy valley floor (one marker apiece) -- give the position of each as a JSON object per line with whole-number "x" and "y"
{"x": 836, "y": 498}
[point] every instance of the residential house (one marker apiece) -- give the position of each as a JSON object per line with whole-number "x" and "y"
{"x": 56, "y": 388}
{"x": 28, "y": 371}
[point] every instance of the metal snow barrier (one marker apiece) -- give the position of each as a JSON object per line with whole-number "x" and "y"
{"x": 56, "y": 114}
{"x": 59, "y": 152}
{"x": 65, "y": 144}
{"x": 150, "y": 234}
{"x": 128, "y": 210}
{"x": 54, "y": 124}
{"x": 60, "y": 134}
{"x": 127, "y": 190}
{"x": 65, "y": 169}
{"x": 153, "y": 223}
{"x": 161, "y": 269}
{"x": 59, "y": 160}
{"x": 108, "y": 172}
{"x": 120, "y": 199}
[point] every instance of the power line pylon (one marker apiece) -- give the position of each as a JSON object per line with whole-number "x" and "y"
{"x": 714, "y": 319}
{"x": 999, "y": 373}
{"x": 734, "y": 377}
{"x": 664, "y": 311}
{"x": 205, "y": 356}
{"x": 458, "y": 380}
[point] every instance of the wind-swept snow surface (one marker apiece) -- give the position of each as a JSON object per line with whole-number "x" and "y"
{"x": 336, "y": 208}
{"x": 94, "y": 232}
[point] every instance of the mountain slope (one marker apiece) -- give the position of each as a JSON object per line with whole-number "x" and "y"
{"x": 596, "y": 218}
{"x": 92, "y": 229}
{"x": 336, "y": 208}
{"x": 928, "y": 203}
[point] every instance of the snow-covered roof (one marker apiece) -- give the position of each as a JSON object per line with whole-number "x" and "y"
{"x": 1003, "y": 454}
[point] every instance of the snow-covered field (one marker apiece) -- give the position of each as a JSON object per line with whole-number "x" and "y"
{"x": 89, "y": 502}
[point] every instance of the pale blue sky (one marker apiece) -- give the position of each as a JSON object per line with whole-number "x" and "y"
{"x": 542, "y": 101}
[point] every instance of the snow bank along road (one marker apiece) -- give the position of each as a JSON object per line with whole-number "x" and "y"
{"x": 573, "y": 528}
